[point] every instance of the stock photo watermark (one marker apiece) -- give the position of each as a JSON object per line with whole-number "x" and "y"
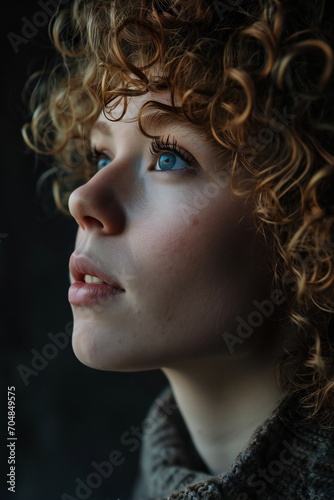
{"x": 201, "y": 198}
{"x": 264, "y": 476}
{"x": 278, "y": 122}
{"x": 31, "y": 27}
{"x": 220, "y": 180}
{"x": 223, "y": 7}
{"x": 59, "y": 341}
{"x": 254, "y": 320}
{"x": 130, "y": 441}
{"x": 50, "y": 351}
{"x": 265, "y": 309}
{"x": 11, "y": 438}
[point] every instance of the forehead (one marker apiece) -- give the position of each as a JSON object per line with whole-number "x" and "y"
{"x": 154, "y": 120}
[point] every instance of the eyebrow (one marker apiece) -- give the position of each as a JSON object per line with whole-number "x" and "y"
{"x": 160, "y": 119}
{"x": 102, "y": 127}
{"x": 157, "y": 119}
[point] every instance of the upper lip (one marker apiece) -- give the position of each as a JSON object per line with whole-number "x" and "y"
{"x": 80, "y": 265}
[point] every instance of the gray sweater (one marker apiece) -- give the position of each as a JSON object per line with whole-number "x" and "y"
{"x": 285, "y": 459}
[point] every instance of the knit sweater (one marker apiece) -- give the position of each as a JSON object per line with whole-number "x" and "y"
{"x": 285, "y": 459}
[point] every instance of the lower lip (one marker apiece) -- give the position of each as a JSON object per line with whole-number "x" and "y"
{"x": 86, "y": 294}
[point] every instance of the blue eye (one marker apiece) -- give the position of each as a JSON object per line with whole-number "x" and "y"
{"x": 102, "y": 162}
{"x": 171, "y": 161}
{"x": 169, "y": 157}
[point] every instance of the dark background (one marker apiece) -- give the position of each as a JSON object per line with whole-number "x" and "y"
{"x": 67, "y": 415}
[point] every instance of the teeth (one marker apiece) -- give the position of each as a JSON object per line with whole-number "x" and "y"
{"x": 92, "y": 279}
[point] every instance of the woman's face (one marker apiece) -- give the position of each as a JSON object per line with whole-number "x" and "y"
{"x": 156, "y": 219}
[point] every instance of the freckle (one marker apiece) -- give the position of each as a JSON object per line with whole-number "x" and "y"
{"x": 195, "y": 222}
{"x": 120, "y": 341}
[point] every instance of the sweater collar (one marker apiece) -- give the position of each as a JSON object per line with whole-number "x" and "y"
{"x": 284, "y": 459}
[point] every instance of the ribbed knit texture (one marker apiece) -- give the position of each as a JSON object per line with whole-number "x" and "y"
{"x": 285, "y": 459}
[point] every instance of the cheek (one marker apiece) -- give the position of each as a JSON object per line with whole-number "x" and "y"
{"x": 188, "y": 271}
{"x": 209, "y": 242}
{"x": 165, "y": 250}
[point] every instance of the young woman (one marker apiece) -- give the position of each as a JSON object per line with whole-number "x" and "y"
{"x": 195, "y": 144}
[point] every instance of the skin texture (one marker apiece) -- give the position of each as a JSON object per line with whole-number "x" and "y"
{"x": 187, "y": 274}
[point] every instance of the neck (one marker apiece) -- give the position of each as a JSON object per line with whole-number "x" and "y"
{"x": 222, "y": 402}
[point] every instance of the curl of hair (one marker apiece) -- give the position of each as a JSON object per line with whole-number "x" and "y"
{"x": 259, "y": 76}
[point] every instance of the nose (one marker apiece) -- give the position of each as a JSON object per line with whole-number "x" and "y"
{"x": 95, "y": 206}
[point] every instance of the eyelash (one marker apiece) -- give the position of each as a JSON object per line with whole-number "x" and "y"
{"x": 161, "y": 145}
{"x": 158, "y": 145}
{"x": 94, "y": 155}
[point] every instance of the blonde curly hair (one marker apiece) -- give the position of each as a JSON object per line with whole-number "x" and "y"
{"x": 258, "y": 75}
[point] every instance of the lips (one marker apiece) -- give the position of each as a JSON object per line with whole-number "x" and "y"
{"x": 84, "y": 270}
{"x": 91, "y": 284}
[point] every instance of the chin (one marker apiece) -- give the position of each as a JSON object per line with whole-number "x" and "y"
{"x": 102, "y": 352}
{"x": 90, "y": 350}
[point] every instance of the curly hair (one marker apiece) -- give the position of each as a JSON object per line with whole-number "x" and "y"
{"x": 258, "y": 75}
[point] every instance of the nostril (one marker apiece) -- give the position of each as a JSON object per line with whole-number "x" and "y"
{"x": 90, "y": 222}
